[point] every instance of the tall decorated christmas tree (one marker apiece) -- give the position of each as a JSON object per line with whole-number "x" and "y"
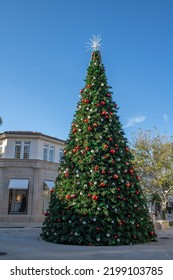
{"x": 97, "y": 199}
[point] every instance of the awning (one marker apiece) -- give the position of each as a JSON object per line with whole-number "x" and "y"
{"x": 18, "y": 184}
{"x": 49, "y": 184}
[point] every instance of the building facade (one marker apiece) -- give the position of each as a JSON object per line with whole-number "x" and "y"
{"x": 28, "y": 168}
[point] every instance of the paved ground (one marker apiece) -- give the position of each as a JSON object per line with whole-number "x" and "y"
{"x": 24, "y": 243}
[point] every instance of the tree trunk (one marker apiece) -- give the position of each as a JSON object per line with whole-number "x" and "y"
{"x": 164, "y": 213}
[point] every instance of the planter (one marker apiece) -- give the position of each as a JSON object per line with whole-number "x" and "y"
{"x": 161, "y": 224}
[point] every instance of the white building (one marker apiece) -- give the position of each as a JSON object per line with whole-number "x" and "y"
{"x": 28, "y": 168}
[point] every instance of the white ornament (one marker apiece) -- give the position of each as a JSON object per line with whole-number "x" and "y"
{"x": 69, "y": 222}
{"x": 98, "y": 239}
{"x": 94, "y": 219}
{"x": 108, "y": 235}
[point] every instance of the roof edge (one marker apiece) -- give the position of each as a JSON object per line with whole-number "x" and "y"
{"x": 32, "y": 133}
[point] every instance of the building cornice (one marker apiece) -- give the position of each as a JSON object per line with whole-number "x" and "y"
{"x": 31, "y": 134}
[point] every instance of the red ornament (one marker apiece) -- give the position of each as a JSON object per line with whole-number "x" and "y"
{"x": 103, "y": 103}
{"x": 89, "y": 195}
{"x": 127, "y": 184}
{"x": 110, "y": 139}
{"x": 131, "y": 171}
{"x": 115, "y": 176}
{"x": 102, "y": 184}
{"x": 74, "y": 130}
{"x": 104, "y": 113}
{"x": 87, "y": 148}
{"x": 106, "y": 146}
{"x": 127, "y": 149}
{"x": 138, "y": 178}
{"x": 86, "y": 120}
{"x": 67, "y": 196}
{"x": 103, "y": 172}
{"x": 89, "y": 128}
{"x": 108, "y": 94}
{"x": 96, "y": 167}
{"x": 66, "y": 175}
{"x": 112, "y": 151}
{"x": 95, "y": 197}
{"x": 81, "y": 91}
{"x": 73, "y": 195}
{"x": 95, "y": 124}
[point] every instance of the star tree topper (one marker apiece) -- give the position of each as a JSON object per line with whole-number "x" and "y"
{"x": 95, "y": 43}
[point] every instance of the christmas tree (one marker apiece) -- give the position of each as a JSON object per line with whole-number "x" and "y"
{"x": 97, "y": 199}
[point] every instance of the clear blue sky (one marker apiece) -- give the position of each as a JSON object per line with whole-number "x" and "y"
{"x": 43, "y": 61}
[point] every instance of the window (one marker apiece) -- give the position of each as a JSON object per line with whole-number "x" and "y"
{"x": 51, "y": 153}
{"x": 22, "y": 149}
{"x": 26, "y": 149}
{"x": 61, "y": 153}
{"x": 17, "y": 152}
{"x": 18, "y": 201}
{"x": 18, "y": 196}
{"x": 48, "y": 152}
{"x": 45, "y": 151}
